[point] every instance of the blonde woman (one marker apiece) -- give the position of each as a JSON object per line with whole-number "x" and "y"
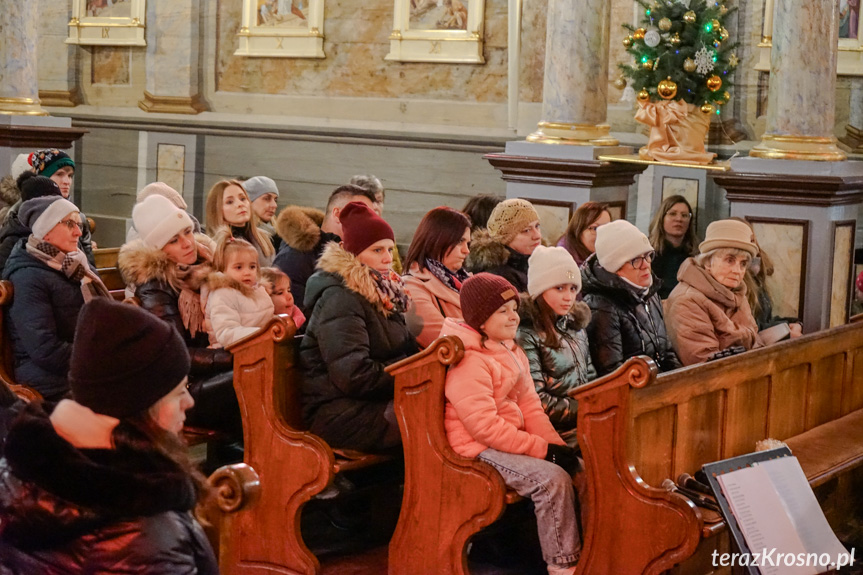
{"x": 228, "y": 206}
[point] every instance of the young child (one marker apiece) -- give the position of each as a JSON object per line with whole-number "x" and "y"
{"x": 237, "y": 305}
{"x": 552, "y": 335}
{"x": 493, "y": 413}
{"x": 278, "y": 285}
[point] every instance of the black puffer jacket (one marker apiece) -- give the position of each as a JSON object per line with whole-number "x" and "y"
{"x": 349, "y": 340}
{"x": 11, "y": 233}
{"x": 624, "y": 324}
{"x": 77, "y": 511}
{"x": 44, "y": 311}
{"x": 304, "y": 241}
{"x": 489, "y": 255}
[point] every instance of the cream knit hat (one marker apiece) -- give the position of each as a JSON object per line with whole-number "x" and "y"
{"x": 619, "y": 242}
{"x": 162, "y": 189}
{"x": 550, "y": 267}
{"x": 510, "y": 217}
{"x": 158, "y": 220}
{"x": 728, "y": 234}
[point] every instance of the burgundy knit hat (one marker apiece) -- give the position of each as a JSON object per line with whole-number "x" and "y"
{"x": 361, "y": 227}
{"x": 481, "y": 295}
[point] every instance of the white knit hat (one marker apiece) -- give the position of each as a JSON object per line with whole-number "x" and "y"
{"x": 551, "y": 267}
{"x": 619, "y": 242}
{"x": 162, "y": 189}
{"x": 158, "y": 220}
{"x": 43, "y": 213}
{"x": 20, "y": 165}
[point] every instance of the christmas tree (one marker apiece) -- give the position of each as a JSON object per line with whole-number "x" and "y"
{"x": 682, "y": 50}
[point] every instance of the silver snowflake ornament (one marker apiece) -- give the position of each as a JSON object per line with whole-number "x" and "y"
{"x": 704, "y": 61}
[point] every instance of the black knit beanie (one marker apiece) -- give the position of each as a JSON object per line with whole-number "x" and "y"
{"x": 33, "y": 186}
{"x": 124, "y": 359}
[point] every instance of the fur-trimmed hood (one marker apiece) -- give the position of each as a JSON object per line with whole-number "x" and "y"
{"x": 485, "y": 253}
{"x": 578, "y": 317}
{"x": 344, "y": 268}
{"x": 218, "y": 280}
{"x": 300, "y": 227}
{"x": 140, "y": 263}
{"x": 9, "y": 192}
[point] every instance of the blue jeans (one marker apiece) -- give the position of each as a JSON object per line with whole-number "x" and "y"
{"x": 550, "y": 488}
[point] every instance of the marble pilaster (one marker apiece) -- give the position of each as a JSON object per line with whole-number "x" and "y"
{"x": 19, "y": 89}
{"x": 173, "y": 58}
{"x": 853, "y": 137}
{"x": 575, "y": 87}
{"x": 802, "y": 94}
{"x": 59, "y": 65}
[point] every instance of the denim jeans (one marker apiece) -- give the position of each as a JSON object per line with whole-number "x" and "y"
{"x": 550, "y": 488}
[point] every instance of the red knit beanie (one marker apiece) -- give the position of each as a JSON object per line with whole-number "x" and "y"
{"x": 361, "y": 227}
{"x": 481, "y": 295}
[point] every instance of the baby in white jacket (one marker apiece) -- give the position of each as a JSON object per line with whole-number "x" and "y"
{"x": 237, "y": 304}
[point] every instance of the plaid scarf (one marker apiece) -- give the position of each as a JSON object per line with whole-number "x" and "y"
{"x": 73, "y": 265}
{"x": 450, "y": 279}
{"x": 391, "y": 290}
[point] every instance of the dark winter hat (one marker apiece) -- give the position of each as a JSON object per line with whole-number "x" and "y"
{"x": 124, "y": 359}
{"x": 481, "y": 295}
{"x": 46, "y": 162}
{"x": 33, "y": 186}
{"x": 361, "y": 227}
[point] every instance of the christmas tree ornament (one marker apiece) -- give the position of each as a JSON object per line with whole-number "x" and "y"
{"x": 628, "y": 94}
{"x": 714, "y": 83}
{"x": 643, "y": 95}
{"x": 647, "y": 65}
{"x": 716, "y": 25}
{"x": 667, "y": 89}
{"x": 706, "y": 108}
{"x": 704, "y": 61}
{"x": 675, "y": 40}
{"x": 665, "y": 24}
{"x": 723, "y": 10}
{"x": 620, "y": 83}
{"x": 689, "y": 65}
{"x": 652, "y": 38}
{"x": 723, "y": 34}
{"x": 717, "y": 44}
{"x": 639, "y": 34}
{"x": 726, "y": 96}
{"x": 627, "y": 42}
{"x": 690, "y": 17}
{"x": 733, "y": 60}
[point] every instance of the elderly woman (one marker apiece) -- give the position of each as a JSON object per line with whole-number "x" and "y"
{"x": 166, "y": 268}
{"x": 103, "y": 484}
{"x": 620, "y": 289}
{"x": 708, "y": 311}
{"x": 52, "y": 280}
{"x": 435, "y": 272}
{"x": 504, "y": 248}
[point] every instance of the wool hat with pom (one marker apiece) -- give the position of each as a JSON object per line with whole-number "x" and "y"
{"x": 124, "y": 359}
{"x": 619, "y": 242}
{"x": 551, "y": 267}
{"x": 481, "y": 295}
{"x": 158, "y": 220}
{"x": 728, "y": 234}
{"x": 43, "y": 213}
{"x": 47, "y": 162}
{"x": 362, "y": 227}
{"x": 510, "y": 217}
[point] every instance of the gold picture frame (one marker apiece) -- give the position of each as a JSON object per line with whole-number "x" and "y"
{"x": 282, "y": 29}
{"x": 850, "y": 60}
{"x": 448, "y": 31}
{"x": 108, "y": 23}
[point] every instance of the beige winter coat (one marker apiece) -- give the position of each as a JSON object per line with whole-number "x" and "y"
{"x": 235, "y": 310}
{"x": 703, "y": 316}
{"x": 431, "y": 303}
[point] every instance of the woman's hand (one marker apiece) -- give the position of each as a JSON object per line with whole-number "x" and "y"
{"x": 796, "y": 329}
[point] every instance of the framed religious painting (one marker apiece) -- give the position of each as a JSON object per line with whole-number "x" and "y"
{"x": 108, "y": 23}
{"x": 282, "y": 29}
{"x": 437, "y": 31}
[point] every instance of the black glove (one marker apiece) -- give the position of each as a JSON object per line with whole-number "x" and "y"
{"x": 563, "y": 456}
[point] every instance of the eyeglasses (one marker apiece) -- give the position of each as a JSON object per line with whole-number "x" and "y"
{"x": 71, "y": 224}
{"x": 638, "y": 262}
{"x": 684, "y": 215}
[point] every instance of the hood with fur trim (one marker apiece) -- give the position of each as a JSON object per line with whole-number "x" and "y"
{"x": 218, "y": 280}
{"x": 355, "y": 276}
{"x": 300, "y": 227}
{"x": 578, "y": 317}
{"x": 485, "y": 253}
{"x": 140, "y": 263}
{"x": 9, "y": 192}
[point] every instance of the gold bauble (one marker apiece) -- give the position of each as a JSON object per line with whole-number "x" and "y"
{"x": 716, "y": 25}
{"x": 647, "y": 65}
{"x": 643, "y": 95}
{"x": 689, "y": 65}
{"x": 620, "y": 83}
{"x": 714, "y": 83}
{"x": 723, "y": 10}
{"x": 665, "y": 24}
{"x": 675, "y": 40}
{"x": 639, "y": 34}
{"x": 690, "y": 17}
{"x": 667, "y": 89}
{"x": 723, "y": 33}
{"x": 726, "y": 96}
{"x": 627, "y": 42}
{"x": 706, "y": 108}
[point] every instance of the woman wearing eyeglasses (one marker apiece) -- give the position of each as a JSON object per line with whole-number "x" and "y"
{"x": 672, "y": 235}
{"x": 52, "y": 280}
{"x": 620, "y": 289}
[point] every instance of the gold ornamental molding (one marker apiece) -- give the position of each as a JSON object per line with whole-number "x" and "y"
{"x": 573, "y": 134}
{"x": 172, "y": 104}
{"x": 60, "y": 98}
{"x": 22, "y": 107}
{"x": 779, "y": 147}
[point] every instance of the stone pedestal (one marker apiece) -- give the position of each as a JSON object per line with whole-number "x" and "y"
{"x": 173, "y": 58}
{"x": 58, "y": 61}
{"x": 804, "y": 214}
{"x": 19, "y": 89}
{"x": 802, "y": 97}
{"x": 25, "y": 134}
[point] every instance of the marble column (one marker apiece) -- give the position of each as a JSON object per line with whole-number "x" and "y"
{"x": 59, "y": 62}
{"x": 173, "y": 58}
{"x": 575, "y": 88}
{"x": 19, "y": 89}
{"x": 802, "y": 96}
{"x": 853, "y": 137}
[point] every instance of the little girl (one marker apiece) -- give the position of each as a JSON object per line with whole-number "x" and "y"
{"x": 552, "y": 335}
{"x": 493, "y": 413}
{"x": 278, "y": 285}
{"x": 237, "y": 304}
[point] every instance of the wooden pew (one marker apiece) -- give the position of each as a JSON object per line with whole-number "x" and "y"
{"x": 7, "y": 354}
{"x": 449, "y": 498}
{"x": 285, "y": 465}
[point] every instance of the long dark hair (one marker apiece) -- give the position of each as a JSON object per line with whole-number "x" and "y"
{"x": 586, "y": 214}
{"x": 479, "y": 209}
{"x": 657, "y": 226}
{"x": 440, "y": 230}
{"x": 545, "y": 324}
